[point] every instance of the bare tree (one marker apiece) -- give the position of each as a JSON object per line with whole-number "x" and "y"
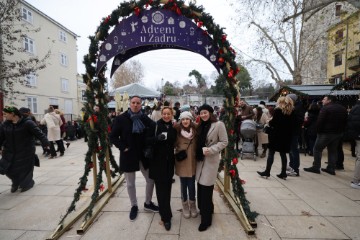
{"x": 312, "y": 9}
{"x": 278, "y": 45}
{"x": 127, "y": 73}
{"x": 15, "y": 67}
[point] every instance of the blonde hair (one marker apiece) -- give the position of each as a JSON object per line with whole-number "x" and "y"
{"x": 286, "y": 105}
{"x": 167, "y": 107}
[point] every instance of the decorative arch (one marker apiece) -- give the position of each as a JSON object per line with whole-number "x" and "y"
{"x": 222, "y": 57}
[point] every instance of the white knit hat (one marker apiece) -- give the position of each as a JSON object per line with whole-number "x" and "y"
{"x": 186, "y": 114}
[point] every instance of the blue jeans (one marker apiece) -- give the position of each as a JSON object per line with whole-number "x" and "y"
{"x": 294, "y": 154}
{"x": 187, "y": 184}
{"x": 331, "y": 141}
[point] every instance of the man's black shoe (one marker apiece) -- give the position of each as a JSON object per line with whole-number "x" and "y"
{"x": 151, "y": 207}
{"x": 312, "y": 169}
{"x": 331, "y": 172}
{"x": 167, "y": 226}
{"x": 133, "y": 213}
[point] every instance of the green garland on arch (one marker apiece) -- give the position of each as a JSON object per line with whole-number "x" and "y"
{"x": 96, "y": 84}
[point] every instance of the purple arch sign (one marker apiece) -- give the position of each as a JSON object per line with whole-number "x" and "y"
{"x": 152, "y": 30}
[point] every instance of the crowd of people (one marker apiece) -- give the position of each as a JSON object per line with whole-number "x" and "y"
{"x": 187, "y": 141}
{"x": 20, "y": 132}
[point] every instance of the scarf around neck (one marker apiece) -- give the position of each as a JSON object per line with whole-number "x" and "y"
{"x": 186, "y": 134}
{"x": 138, "y": 126}
{"x": 204, "y": 129}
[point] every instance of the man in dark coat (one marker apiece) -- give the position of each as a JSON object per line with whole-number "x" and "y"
{"x": 353, "y": 125}
{"x": 128, "y": 134}
{"x": 18, "y": 155}
{"x": 330, "y": 126}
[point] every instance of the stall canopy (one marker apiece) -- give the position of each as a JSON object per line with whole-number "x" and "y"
{"x": 138, "y": 90}
{"x": 312, "y": 91}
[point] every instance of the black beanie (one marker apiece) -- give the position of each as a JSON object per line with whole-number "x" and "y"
{"x": 206, "y": 107}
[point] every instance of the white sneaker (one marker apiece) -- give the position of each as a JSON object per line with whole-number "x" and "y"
{"x": 355, "y": 185}
{"x": 289, "y": 169}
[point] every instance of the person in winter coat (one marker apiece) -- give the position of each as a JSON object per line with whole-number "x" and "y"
{"x": 162, "y": 137}
{"x": 330, "y": 127}
{"x": 261, "y": 118}
{"x": 282, "y": 124}
{"x": 211, "y": 140}
{"x": 186, "y": 169}
{"x": 18, "y": 156}
{"x": 53, "y": 123}
{"x": 128, "y": 134}
{"x": 62, "y": 128}
{"x": 353, "y": 125}
{"x": 310, "y": 126}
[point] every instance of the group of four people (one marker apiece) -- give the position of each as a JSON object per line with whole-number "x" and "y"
{"x": 133, "y": 131}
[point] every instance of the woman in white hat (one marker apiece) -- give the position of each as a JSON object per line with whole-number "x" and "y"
{"x": 185, "y": 166}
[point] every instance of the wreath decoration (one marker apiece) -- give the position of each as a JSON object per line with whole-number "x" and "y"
{"x": 96, "y": 95}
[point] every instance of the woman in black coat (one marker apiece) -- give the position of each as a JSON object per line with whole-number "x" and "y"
{"x": 282, "y": 125}
{"x": 18, "y": 156}
{"x": 161, "y": 168}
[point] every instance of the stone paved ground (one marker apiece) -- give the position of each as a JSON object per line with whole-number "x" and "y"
{"x": 311, "y": 206}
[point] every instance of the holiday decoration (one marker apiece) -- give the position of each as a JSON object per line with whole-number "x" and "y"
{"x": 96, "y": 84}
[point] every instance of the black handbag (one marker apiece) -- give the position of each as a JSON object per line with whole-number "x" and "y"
{"x": 149, "y": 150}
{"x": 182, "y": 155}
{"x": 268, "y": 129}
{"x": 4, "y": 166}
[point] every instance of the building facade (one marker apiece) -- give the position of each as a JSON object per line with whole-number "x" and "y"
{"x": 315, "y": 37}
{"x": 344, "y": 48}
{"x": 57, "y": 84}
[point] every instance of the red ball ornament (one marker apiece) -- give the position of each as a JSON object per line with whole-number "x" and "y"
{"x": 137, "y": 11}
{"x": 91, "y": 165}
{"x": 221, "y": 60}
{"x": 102, "y": 187}
{"x": 232, "y": 172}
{"x": 200, "y": 24}
{"x": 235, "y": 161}
{"x": 95, "y": 118}
{"x": 231, "y": 74}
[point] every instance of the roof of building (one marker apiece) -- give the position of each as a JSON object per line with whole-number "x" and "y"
{"x": 136, "y": 89}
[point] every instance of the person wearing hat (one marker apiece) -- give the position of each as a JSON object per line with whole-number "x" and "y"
{"x": 211, "y": 140}
{"x": 186, "y": 168}
{"x": 18, "y": 157}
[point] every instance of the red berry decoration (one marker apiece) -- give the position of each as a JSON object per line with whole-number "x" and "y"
{"x": 221, "y": 60}
{"x": 232, "y": 172}
{"x": 235, "y": 161}
{"x": 101, "y": 188}
{"x": 137, "y": 11}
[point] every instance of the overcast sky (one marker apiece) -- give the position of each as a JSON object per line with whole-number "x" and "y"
{"x": 84, "y": 16}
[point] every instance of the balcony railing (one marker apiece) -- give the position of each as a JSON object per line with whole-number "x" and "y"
{"x": 354, "y": 63}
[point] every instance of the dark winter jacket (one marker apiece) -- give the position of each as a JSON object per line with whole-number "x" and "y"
{"x": 122, "y": 137}
{"x": 299, "y": 112}
{"x": 353, "y": 122}
{"x": 310, "y": 124}
{"x": 332, "y": 119}
{"x": 161, "y": 167}
{"x": 283, "y": 125}
{"x": 19, "y": 144}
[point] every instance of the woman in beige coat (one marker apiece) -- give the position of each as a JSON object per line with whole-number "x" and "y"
{"x": 53, "y": 123}
{"x": 185, "y": 169}
{"x": 261, "y": 118}
{"x": 211, "y": 140}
